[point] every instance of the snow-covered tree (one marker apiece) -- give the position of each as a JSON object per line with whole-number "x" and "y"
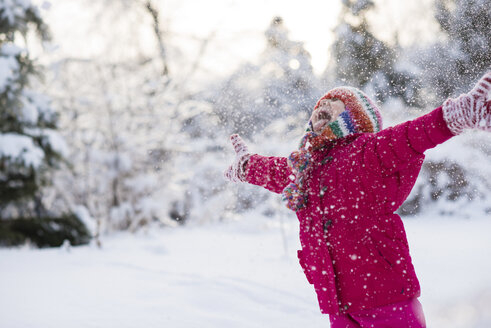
{"x": 116, "y": 122}
{"x": 362, "y": 60}
{"x": 128, "y": 116}
{"x": 280, "y": 84}
{"x": 462, "y": 56}
{"x": 30, "y": 145}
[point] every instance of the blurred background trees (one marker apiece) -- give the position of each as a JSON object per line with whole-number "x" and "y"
{"x": 30, "y": 145}
{"x": 280, "y": 85}
{"x": 463, "y": 54}
{"x": 138, "y": 130}
{"x": 362, "y": 60}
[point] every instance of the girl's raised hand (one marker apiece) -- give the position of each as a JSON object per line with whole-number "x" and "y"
{"x": 471, "y": 110}
{"x": 236, "y": 171}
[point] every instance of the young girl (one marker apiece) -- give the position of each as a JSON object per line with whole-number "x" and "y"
{"x": 345, "y": 182}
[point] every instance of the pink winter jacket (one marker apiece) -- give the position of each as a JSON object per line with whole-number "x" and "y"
{"x": 354, "y": 248}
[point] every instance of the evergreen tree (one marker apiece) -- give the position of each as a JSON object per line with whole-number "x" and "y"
{"x": 282, "y": 83}
{"x": 290, "y": 83}
{"x": 29, "y": 143}
{"x": 464, "y": 55}
{"x": 360, "y": 59}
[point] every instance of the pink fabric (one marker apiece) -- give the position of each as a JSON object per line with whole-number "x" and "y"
{"x": 405, "y": 314}
{"x": 354, "y": 248}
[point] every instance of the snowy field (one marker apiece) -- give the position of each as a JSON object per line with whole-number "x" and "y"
{"x": 238, "y": 274}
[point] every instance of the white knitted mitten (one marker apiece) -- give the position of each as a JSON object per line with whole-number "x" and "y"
{"x": 471, "y": 110}
{"x": 236, "y": 171}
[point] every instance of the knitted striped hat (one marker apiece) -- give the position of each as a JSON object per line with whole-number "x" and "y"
{"x": 361, "y": 114}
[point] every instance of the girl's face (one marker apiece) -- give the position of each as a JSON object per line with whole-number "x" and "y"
{"x": 327, "y": 112}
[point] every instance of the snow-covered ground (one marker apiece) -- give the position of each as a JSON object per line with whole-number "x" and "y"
{"x": 236, "y": 274}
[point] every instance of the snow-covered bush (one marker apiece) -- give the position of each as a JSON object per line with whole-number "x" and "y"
{"x": 454, "y": 179}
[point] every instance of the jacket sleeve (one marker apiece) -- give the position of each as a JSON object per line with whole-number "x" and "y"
{"x": 272, "y": 173}
{"x": 396, "y": 147}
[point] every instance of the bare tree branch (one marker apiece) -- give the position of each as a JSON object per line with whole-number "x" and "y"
{"x": 158, "y": 34}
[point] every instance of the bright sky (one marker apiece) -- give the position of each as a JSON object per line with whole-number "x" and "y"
{"x": 239, "y": 26}
{"x": 309, "y": 21}
{"x": 242, "y": 23}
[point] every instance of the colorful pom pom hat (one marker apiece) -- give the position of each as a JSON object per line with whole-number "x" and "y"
{"x": 361, "y": 114}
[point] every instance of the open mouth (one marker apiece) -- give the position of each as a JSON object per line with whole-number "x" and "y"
{"x": 324, "y": 116}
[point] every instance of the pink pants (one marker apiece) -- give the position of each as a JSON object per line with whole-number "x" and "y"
{"x": 406, "y": 314}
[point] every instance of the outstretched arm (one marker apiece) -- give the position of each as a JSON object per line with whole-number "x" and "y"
{"x": 271, "y": 173}
{"x": 394, "y": 148}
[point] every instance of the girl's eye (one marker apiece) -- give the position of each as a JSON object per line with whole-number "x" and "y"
{"x": 334, "y": 99}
